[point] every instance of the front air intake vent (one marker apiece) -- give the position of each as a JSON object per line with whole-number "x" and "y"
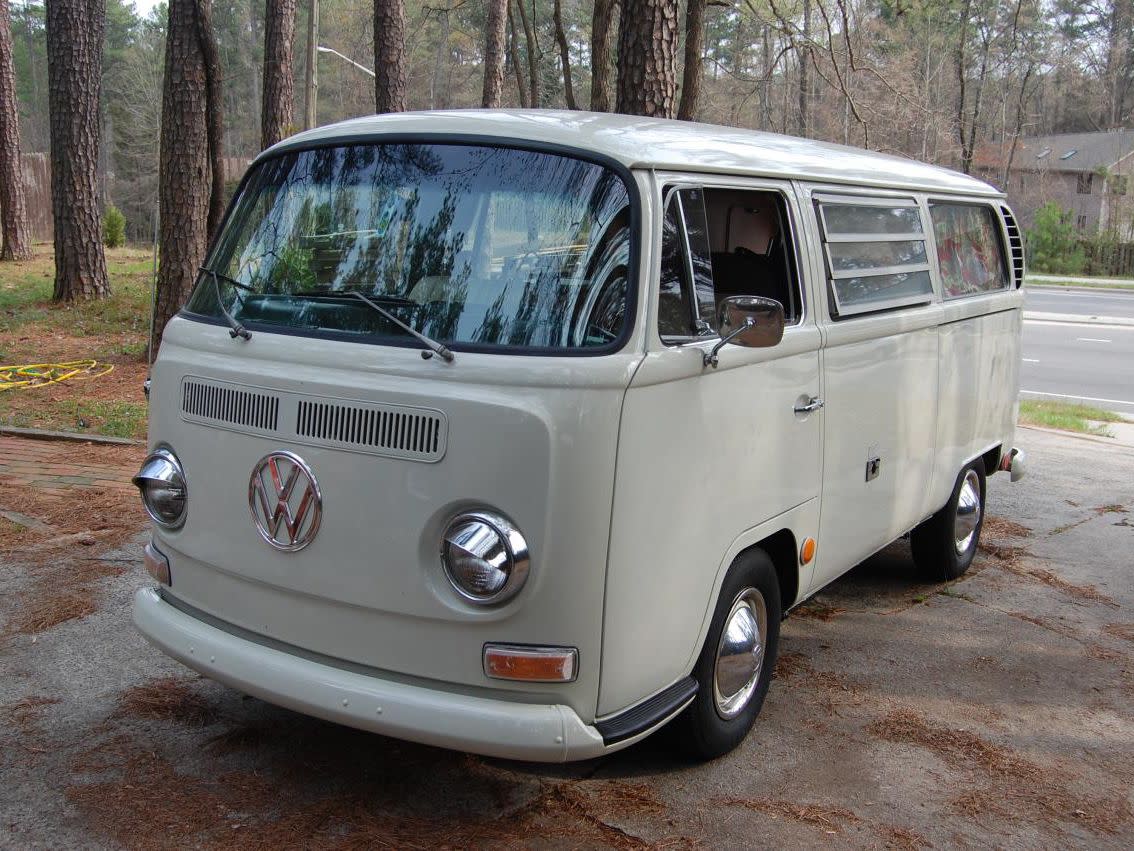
{"x": 415, "y": 433}
{"x": 1015, "y": 245}
{"x": 216, "y": 402}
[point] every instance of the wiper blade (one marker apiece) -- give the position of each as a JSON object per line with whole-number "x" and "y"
{"x": 236, "y": 329}
{"x": 206, "y": 271}
{"x": 442, "y": 352}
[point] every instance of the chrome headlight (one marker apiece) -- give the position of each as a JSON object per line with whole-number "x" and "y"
{"x": 485, "y": 557}
{"x": 161, "y": 482}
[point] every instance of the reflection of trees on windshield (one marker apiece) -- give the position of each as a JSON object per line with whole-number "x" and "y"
{"x": 474, "y": 244}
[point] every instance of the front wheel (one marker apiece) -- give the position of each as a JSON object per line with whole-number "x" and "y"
{"x": 944, "y": 545}
{"x": 735, "y": 666}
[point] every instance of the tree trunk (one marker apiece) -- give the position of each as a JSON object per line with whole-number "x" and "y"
{"x": 514, "y": 54}
{"x": 214, "y": 111}
{"x": 277, "y": 107}
{"x": 494, "y": 53}
{"x": 438, "y": 91}
{"x": 74, "y": 59}
{"x": 15, "y": 243}
{"x": 564, "y": 57}
{"x": 601, "y": 40}
{"x": 647, "y": 51}
{"x": 694, "y": 60}
{"x": 533, "y": 53}
{"x": 389, "y": 56}
{"x": 804, "y": 54}
{"x": 186, "y": 169}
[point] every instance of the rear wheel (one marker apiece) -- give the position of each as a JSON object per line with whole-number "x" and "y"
{"x": 945, "y": 544}
{"x": 735, "y": 665}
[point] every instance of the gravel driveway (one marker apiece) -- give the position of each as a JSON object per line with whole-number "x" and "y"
{"x": 995, "y": 711}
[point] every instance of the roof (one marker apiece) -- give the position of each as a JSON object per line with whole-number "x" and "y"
{"x": 1062, "y": 152}
{"x": 638, "y": 142}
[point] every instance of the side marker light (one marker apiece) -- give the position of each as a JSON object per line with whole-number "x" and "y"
{"x": 807, "y": 551}
{"x": 531, "y": 664}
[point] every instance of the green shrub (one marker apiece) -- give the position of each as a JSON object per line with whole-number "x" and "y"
{"x": 113, "y": 227}
{"x": 1053, "y": 242}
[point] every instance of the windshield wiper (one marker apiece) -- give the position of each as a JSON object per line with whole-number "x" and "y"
{"x": 439, "y": 349}
{"x": 237, "y": 330}
{"x": 442, "y": 351}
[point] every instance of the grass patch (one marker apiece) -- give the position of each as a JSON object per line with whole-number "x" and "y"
{"x": 1081, "y": 284}
{"x": 1067, "y": 416}
{"x": 26, "y": 287}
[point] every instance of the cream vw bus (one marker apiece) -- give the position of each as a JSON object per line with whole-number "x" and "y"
{"x": 520, "y": 432}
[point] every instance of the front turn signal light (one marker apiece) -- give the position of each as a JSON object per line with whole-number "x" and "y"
{"x": 531, "y": 664}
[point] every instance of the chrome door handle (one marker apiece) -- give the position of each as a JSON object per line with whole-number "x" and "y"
{"x": 813, "y": 404}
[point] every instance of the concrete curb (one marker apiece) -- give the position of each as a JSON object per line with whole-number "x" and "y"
{"x": 1111, "y": 442}
{"x": 1078, "y": 319}
{"x": 74, "y": 437}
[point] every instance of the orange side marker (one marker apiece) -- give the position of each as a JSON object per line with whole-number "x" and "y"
{"x": 807, "y": 551}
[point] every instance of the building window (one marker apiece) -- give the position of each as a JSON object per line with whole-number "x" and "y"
{"x": 1119, "y": 184}
{"x": 1081, "y": 222}
{"x": 1086, "y": 183}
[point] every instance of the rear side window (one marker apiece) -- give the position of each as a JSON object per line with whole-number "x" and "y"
{"x": 875, "y": 251}
{"x": 969, "y": 249}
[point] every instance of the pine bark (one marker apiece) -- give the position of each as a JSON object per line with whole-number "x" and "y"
{"x": 214, "y": 111}
{"x": 514, "y": 55}
{"x": 533, "y": 52}
{"x": 647, "y": 50}
{"x": 277, "y": 112}
{"x": 186, "y": 176}
{"x": 494, "y": 53}
{"x": 601, "y": 40}
{"x": 15, "y": 241}
{"x": 564, "y": 57}
{"x": 74, "y": 60}
{"x": 389, "y": 56}
{"x": 694, "y": 60}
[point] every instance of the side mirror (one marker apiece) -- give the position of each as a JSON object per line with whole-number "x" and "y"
{"x": 750, "y": 321}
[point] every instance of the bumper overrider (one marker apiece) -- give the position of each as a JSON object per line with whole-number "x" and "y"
{"x": 499, "y": 728}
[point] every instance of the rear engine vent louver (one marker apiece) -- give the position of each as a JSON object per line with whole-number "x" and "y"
{"x": 222, "y": 403}
{"x": 384, "y": 429}
{"x": 1015, "y": 245}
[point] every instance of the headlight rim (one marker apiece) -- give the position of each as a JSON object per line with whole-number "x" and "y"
{"x": 163, "y": 452}
{"x": 514, "y": 544}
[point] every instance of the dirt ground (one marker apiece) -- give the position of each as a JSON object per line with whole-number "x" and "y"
{"x": 995, "y": 711}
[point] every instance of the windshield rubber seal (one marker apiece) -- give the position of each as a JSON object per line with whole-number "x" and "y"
{"x": 465, "y": 140}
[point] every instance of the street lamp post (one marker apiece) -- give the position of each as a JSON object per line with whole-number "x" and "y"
{"x": 357, "y": 65}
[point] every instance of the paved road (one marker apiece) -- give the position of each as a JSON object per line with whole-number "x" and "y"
{"x": 1081, "y": 302}
{"x": 1090, "y": 362}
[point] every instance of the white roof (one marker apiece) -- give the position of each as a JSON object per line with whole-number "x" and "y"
{"x": 656, "y": 143}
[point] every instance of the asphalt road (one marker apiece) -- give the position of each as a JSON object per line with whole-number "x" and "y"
{"x": 1081, "y": 302}
{"x": 1071, "y": 361}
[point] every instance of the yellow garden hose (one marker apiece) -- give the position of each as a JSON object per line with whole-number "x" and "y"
{"x": 27, "y": 376}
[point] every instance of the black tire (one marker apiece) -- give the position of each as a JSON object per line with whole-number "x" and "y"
{"x": 701, "y": 731}
{"x": 937, "y": 549}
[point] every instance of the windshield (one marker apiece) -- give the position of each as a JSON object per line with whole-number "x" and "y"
{"x": 474, "y": 245}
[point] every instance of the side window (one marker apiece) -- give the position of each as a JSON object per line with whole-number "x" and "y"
{"x": 685, "y": 309}
{"x": 875, "y": 252}
{"x": 969, "y": 249}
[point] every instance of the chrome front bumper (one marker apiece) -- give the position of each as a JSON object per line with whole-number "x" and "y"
{"x": 537, "y": 732}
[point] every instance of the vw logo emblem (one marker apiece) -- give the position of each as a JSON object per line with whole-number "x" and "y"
{"x": 285, "y": 501}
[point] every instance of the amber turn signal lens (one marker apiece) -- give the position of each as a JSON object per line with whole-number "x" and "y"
{"x": 157, "y": 565}
{"x": 807, "y": 551}
{"x": 531, "y": 664}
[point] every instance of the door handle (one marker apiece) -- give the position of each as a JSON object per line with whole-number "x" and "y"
{"x": 813, "y": 404}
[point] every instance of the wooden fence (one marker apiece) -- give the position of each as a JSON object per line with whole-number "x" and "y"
{"x": 1108, "y": 259}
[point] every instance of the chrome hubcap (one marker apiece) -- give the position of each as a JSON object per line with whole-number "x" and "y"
{"x": 968, "y": 513}
{"x": 740, "y": 654}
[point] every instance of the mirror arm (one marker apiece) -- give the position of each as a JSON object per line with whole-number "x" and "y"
{"x": 710, "y": 358}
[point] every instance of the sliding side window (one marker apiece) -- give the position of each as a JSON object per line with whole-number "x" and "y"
{"x": 969, "y": 249}
{"x": 875, "y": 251}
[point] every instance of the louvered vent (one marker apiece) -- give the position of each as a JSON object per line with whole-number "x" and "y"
{"x": 222, "y": 403}
{"x": 383, "y": 429}
{"x": 1015, "y": 245}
